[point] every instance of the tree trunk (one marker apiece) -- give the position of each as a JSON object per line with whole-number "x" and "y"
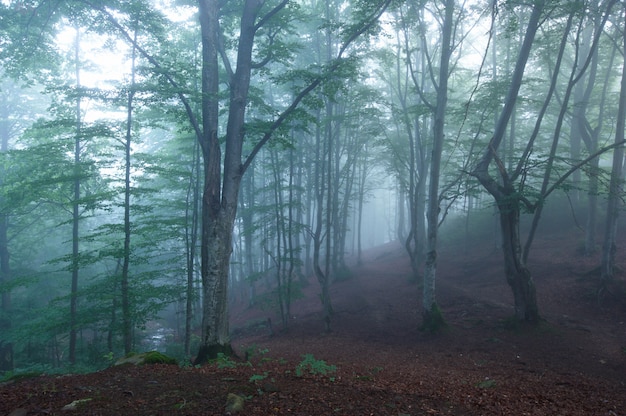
{"x": 291, "y": 248}
{"x": 280, "y": 235}
{"x": 417, "y": 158}
{"x": 75, "y": 212}
{"x": 507, "y": 199}
{"x": 6, "y": 347}
{"x": 215, "y": 240}
{"x": 126, "y": 313}
{"x": 431, "y": 316}
{"x": 360, "y": 203}
{"x": 320, "y": 188}
{"x": 517, "y": 274}
{"x": 220, "y": 195}
{"x": 219, "y": 202}
{"x": 593, "y": 139}
{"x": 191, "y": 235}
{"x": 616, "y": 185}
{"x": 578, "y": 130}
{"x": 401, "y": 208}
{"x": 247, "y": 222}
{"x": 216, "y": 250}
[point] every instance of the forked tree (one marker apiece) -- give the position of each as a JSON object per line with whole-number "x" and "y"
{"x": 507, "y": 184}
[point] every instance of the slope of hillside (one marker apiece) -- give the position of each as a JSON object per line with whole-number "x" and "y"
{"x": 376, "y": 361}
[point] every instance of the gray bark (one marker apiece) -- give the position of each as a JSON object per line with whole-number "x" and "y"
{"x": 616, "y": 185}
{"x": 429, "y": 303}
{"x": 75, "y": 212}
{"x": 507, "y": 199}
{"x": 126, "y": 313}
{"x": 6, "y": 347}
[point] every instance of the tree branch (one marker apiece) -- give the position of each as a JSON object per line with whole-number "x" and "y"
{"x": 579, "y": 165}
{"x": 270, "y": 14}
{"x": 155, "y": 64}
{"x": 368, "y": 23}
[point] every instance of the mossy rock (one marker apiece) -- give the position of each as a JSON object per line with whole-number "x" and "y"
{"x": 234, "y": 403}
{"x": 150, "y": 357}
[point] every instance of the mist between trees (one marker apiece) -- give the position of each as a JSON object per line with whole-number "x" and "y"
{"x": 162, "y": 159}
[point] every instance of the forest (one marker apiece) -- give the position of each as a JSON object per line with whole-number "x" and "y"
{"x": 163, "y": 161}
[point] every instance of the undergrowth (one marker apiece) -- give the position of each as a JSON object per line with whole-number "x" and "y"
{"x": 314, "y": 366}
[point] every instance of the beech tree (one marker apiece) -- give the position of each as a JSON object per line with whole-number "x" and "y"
{"x": 221, "y": 190}
{"x": 261, "y": 26}
{"x": 242, "y": 76}
{"x": 430, "y": 310}
{"x": 421, "y": 89}
{"x": 508, "y": 185}
{"x": 616, "y": 186}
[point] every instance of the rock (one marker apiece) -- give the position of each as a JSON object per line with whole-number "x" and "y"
{"x": 151, "y": 357}
{"x": 234, "y": 404}
{"x": 74, "y": 404}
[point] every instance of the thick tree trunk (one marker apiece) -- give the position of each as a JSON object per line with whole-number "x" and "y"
{"x": 216, "y": 250}
{"x": 577, "y": 133}
{"x": 517, "y": 274}
{"x": 219, "y": 202}
{"x": 220, "y": 195}
{"x": 215, "y": 240}
{"x": 504, "y": 192}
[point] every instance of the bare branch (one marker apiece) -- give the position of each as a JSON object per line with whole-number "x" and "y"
{"x": 579, "y": 165}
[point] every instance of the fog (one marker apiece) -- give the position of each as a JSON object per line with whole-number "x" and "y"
{"x": 139, "y": 178}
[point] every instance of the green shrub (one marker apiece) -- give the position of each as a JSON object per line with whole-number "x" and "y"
{"x": 224, "y": 361}
{"x": 258, "y": 377}
{"x": 314, "y": 366}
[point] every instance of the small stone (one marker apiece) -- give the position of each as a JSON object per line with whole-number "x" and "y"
{"x": 74, "y": 404}
{"x": 234, "y": 404}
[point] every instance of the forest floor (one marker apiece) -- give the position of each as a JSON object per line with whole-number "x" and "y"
{"x": 376, "y": 361}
